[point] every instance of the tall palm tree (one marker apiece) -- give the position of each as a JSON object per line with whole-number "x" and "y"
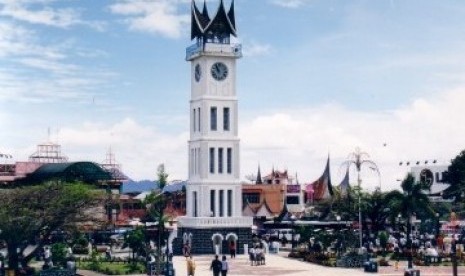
{"x": 412, "y": 198}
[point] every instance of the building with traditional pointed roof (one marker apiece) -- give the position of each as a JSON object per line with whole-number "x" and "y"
{"x": 322, "y": 188}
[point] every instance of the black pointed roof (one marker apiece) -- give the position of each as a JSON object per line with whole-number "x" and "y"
{"x": 205, "y": 15}
{"x": 198, "y": 21}
{"x": 344, "y": 187}
{"x": 232, "y": 16}
{"x": 259, "y": 177}
{"x": 284, "y": 215}
{"x": 222, "y": 24}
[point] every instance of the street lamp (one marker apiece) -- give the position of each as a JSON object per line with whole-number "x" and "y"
{"x": 438, "y": 225}
{"x": 454, "y": 256}
{"x": 359, "y": 158}
{"x": 339, "y": 243}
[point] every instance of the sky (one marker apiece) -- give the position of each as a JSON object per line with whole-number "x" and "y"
{"x": 318, "y": 78}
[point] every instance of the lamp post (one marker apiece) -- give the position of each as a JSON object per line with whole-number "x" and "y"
{"x": 438, "y": 225}
{"x": 454, "y": 256}
{"x": 339, "y": 242}
{"x": 359, "y": 159}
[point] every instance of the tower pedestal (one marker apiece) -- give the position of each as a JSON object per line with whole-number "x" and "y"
{"x": 212, "y": 235}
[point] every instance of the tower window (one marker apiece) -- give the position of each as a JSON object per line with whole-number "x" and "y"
{"x": 213, "y": 118}
{"x": 220, "y": 160}
{"x": 226, "y": 119}
{"x": 194, "y": 119}
{"x": 199, "y": 119}
{"x": 229, "y": 203}
{"x": 221, "y": 203}
{"x": 195, "y": 204}
{"x": 212, "y": 160}
{"x": 229, "y": 160}
{"x": 212, "y": 202}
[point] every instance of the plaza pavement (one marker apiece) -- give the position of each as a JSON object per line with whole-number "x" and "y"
{"x": 281, "y": 265}
{"x": 275, "y": 265}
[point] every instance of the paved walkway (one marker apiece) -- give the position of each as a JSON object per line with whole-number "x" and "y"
{"x": 283, "y": 266}
{"x": 275, "y": 265}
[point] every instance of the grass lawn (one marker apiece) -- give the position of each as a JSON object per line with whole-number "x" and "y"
{"x": 113, "y": 268}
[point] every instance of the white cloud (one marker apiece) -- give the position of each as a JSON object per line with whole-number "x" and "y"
{"x": 290, "y": 3}
{"x": 34, "y": 71}
{"x": 297, "y": 140}
{"x": 253, "y": 49}
{"x": 157, "y": 16}
{"x": 39, "y": 12}
{"x": 424, "y": 130}
{"x": 139, "y": 148}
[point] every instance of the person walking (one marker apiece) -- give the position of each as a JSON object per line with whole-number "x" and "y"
{"x": 216, "y": 266}
{"x": 224, "y": 266}
{"x": 190, "y": 266}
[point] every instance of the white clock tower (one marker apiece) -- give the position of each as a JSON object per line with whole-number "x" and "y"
{"x": 214, "y": 194}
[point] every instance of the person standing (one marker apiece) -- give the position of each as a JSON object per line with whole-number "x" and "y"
{"x": 216, "y": 266}
{"x": 232, "y": 249}
{"x": 224, "y": 266}
{"x": 190, "y": 266}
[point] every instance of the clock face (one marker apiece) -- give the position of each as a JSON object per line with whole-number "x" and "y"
{"x": 197, "y": 72}
{"x": 219, "y": 71}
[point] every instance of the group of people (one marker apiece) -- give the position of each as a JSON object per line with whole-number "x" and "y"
{"x": 256, "y": 255}
{"x": 217, "y": 267}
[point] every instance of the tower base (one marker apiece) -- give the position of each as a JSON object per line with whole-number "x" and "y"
{"x": 211, "y": 240}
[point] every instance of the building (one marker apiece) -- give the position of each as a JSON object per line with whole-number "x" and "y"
{"x": 214, "y": 206}
{"x": 48, "y": 163}
{"x": 267, "y": 197}
{"x": 435, "y": 175}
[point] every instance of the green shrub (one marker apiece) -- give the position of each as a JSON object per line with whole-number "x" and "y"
{"x": 58, "y": 251}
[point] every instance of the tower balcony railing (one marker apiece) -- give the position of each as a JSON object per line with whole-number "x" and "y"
{"x": 198, "y": 49}
{"x": 209, "y": 222}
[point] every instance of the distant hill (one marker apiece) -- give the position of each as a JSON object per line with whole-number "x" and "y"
{"x": 139, "y": 186}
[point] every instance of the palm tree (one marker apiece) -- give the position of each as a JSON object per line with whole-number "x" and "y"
{"x": 375, "y": 207}
{"x": 412, "y": 198}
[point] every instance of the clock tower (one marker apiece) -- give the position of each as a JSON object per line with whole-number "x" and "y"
{"x": 214, "y": 193}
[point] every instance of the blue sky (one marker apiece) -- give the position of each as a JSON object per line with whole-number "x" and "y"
{"x": 316, "y": 77}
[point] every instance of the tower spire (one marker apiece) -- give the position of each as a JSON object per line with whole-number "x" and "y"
{"x": 259, "y": 176}
{"x": 205, "y": 10}
{"x": 232, "y": 16}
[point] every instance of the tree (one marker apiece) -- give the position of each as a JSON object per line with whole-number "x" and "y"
{"x": 345, "y": 205}
{"x": 456, "y": 177}
{"x": 136, "y": 241}
{"x": 156, "y": 203}
{"x": 412, "y": 199}
{"x": 27, "y": 213}
{"x": 375, "y": 208}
